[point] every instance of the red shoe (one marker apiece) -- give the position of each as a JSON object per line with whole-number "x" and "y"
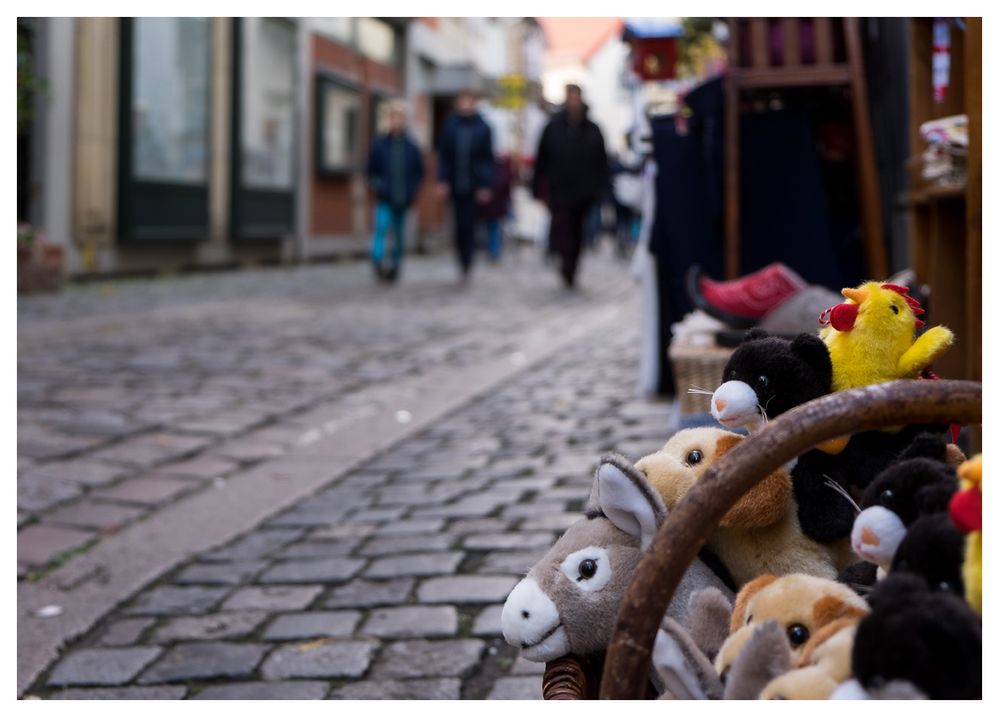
{"x": 741, "y": 303}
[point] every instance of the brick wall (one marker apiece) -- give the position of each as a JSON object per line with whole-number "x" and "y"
{"x": 331, "y": 196}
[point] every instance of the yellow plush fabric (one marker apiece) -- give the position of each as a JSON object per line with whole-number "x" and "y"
{"x": 972, "y": 571}
{"x": 881, "y": 344}
{"x": 970, "y": 473}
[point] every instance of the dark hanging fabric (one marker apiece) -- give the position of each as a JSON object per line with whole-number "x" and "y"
{"x": 688, "y": 222}
{"x": 786, "y": 212}
{"x": 798, "y": 196}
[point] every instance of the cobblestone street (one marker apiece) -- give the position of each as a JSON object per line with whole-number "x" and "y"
{"x": 145, "y": 403}
{"x": 134, "y": 394}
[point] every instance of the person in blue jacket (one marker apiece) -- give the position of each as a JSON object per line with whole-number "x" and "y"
{"x": 465, "y": 172}
{"x": 395, "y": 170}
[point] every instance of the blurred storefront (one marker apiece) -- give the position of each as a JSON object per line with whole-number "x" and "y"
{"x": 158, "y": 144}
{"x": 168, "y": 142}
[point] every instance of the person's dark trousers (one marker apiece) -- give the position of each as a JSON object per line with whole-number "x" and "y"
{"x": 465, "y": 214}
{"x": 567, "y": 238}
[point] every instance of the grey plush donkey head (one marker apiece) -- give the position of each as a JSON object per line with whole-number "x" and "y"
{"x": 569, "y": 600}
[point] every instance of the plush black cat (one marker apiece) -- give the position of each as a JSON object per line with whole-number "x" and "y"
{"x": 931, "y": 638}
{"x": 767, "y": 376}
{"x": 921, "y": 482}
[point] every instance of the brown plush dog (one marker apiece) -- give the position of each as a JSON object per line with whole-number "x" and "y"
{"x": 760, "y": 535}
{"x": 801, "y": 604}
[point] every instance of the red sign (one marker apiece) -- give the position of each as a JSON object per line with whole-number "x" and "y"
{"x": 654, "y": 58}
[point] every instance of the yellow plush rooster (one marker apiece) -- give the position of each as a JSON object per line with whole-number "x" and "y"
{"x": 871, "y": 337}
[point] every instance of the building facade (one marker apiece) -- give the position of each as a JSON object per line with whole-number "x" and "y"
{"x": 158, "y": 144}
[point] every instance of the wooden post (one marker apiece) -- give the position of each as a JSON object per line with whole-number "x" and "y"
{"x": 973, "y": 209}
{"x": 791, "y": 37}
{"x": 867, "y": 176}
{"x": 822, "y": 32}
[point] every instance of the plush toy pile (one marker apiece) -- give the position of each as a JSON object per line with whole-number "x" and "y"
{"x": 854, "y": 572}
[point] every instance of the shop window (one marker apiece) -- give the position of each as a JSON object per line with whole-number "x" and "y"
{"x": 268, "y": 103}
{"x": 170, "y": 85}
{"x": 337, "y": 110}
{"x": 376, "y": 40}
{"x": 263, "y": 129}
{"x": 165, "y": 75}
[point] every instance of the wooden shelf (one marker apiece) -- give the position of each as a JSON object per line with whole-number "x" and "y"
{"x": 764, "y": 78}
{"x": 946, "y": 239}
{"x": 937, "y": 193}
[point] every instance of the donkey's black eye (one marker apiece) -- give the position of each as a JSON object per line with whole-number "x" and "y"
{"x": 763, "y": 381}
{"x": 587, "y": 569}
{"x": 894, "y": 309}
{"x": 694, "y": 457}
{"x": 797, "y": 634}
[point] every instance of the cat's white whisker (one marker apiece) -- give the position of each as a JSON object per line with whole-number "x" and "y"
{"x": 842, "y": 491}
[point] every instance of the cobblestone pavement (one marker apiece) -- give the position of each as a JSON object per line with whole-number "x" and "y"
{"x": 134, "y": 394}
{"x": 387, "y": 583}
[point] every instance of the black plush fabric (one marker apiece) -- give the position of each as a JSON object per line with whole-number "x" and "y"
{"x": 860, "y": 576}
{"x": 933, "y": 548}
{"x": 915, "y": 485}
{"x": 826, "y": 516}
{"x": 932, "y": 639}
{"x": 796, "y": 371}
{"x": 919, "y": 483}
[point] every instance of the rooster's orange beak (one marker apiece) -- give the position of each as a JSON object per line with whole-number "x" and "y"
{"x": 857, "y": 295}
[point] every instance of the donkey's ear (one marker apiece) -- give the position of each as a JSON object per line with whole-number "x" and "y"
{"x": 628, "y": 500}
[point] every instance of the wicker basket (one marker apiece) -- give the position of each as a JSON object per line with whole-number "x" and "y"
{"x": 699, "y": 366}
{"x": 627, "y": 660}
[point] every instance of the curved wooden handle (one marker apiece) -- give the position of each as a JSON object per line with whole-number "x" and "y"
{"x": 696, "y": 516}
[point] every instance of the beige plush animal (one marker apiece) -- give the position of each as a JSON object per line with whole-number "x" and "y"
{"x": 760, "y": 534}
{"x": 801, "y": 604}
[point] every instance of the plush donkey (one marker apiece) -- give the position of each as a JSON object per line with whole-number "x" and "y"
{"x": 569, "y": 601}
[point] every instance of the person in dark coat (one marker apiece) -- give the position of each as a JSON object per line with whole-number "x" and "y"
{"x": 395, "y": 170}
{"x": 465, "y": 172}
{"x": 570, "y": 173}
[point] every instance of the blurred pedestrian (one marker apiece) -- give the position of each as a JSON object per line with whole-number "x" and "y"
{"x": 626, "y": 194}
{"x": 498, "y": 207}
{"x": 570, "y": 174}
{"x": 395, "y": 170}
{"x": 465, "y": 172}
